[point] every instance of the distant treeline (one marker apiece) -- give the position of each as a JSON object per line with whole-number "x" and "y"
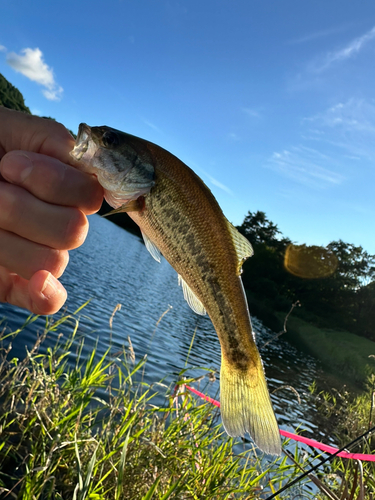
{"x": 10, "y": 97}
{"x": 343, "y": 300}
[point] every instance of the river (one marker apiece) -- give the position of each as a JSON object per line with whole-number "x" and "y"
{"x": 113, "y": 267}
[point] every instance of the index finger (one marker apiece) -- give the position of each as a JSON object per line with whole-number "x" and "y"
{"x": 52, "y": 181}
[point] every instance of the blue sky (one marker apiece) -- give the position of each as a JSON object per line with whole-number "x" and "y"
{"x": 271, "y": 103}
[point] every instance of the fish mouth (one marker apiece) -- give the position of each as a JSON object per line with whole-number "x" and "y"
{"x": 82, "y": 141}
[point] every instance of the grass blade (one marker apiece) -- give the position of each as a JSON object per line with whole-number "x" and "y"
{"x": 121, "y": 468}
{"x": 151, "y": 491}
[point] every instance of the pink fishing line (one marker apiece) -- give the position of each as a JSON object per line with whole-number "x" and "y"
{"x": 302, "y": 439}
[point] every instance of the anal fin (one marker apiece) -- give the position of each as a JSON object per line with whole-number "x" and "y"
{"x": 190, "y": 297}
{"x": 151, "y": 247}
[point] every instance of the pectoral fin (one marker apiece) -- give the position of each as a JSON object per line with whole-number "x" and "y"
{"x": 191, "y": 298}
{"x": 242, "y": 245}
{"x": 130, "y": 206}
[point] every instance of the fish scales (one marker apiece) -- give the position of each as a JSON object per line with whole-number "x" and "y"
{"x": 179, "y": 216}
{"x": 198, "y": 251}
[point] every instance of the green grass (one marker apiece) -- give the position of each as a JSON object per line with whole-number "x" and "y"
{"x": 340, "y": 352}
{"x": 59, "y": 439}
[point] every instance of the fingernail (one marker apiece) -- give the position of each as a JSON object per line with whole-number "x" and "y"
{"x": 16, "y": 167}
{"x": 50, "y": 287}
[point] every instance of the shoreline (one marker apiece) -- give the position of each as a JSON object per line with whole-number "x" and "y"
{"x": 344, "y": 356}
{"x": 340, "y": 352}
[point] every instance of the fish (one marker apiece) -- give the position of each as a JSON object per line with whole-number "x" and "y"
{"x": 180, "y": 219}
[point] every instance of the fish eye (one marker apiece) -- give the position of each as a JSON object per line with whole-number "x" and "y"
{"x": 110, "y": 139}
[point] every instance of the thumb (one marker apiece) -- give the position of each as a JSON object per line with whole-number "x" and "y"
{"x": 47, "y": 295}
{"x": 43, "y": 294}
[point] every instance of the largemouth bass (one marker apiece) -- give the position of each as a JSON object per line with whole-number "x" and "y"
{"x": 180, "y": 218}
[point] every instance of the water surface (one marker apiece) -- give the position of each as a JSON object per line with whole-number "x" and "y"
{"x": 113, "y": 267}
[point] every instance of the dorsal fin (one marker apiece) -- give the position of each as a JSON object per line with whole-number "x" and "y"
{"x": 191, "y": 298}
{"x": 242, "y": 245}
{"x": 151, "y": 247}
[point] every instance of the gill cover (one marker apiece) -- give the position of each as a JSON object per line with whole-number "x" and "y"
{"x": 120, "y": 161}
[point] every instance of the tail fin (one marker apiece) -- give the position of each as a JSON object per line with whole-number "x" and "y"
{"x": 246, "y": 406}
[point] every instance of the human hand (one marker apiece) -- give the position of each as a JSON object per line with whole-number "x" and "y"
{"x": 44, "y": 201}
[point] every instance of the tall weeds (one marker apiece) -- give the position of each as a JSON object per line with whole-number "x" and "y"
{"x": 60, "y": 438}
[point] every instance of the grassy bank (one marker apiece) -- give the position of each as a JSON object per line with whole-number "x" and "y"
{"x": 60, "y": 438}
{"x": 340, "y": 352}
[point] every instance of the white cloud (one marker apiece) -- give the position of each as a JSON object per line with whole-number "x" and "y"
{"x": 350, "y": 50}
{"x": 213, "y": 181}
{"x": 30, "y": 63}
{"x": 306, "y": 166}
{"x": 54, "y": 94}
{"x": 251, "y": 112}
{"x": 218, "y": 184}
{"x": 152, "y": 125}
{"x": 232, "y": 136}
{"x": 353, "y": 115}
{"x": 348, "y": 126}
{"x": 2, "y": 48}
{"x": 317, "y": 35}
{"x": 344, "y": 146}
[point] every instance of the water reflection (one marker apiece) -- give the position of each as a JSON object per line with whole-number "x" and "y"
{"x": 114, "y": 267}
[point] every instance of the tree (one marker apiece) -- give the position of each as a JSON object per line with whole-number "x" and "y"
{"x": 10, "y": 97}
{"x": 258, "y": 229}
{"x": 356, "y": 266}
{"x": 335, "y": 284}
{"x": 365, "y": 313}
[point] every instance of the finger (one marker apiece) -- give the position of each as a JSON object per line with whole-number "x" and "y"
{"x": 32, "y": 133}
{"x": 47, "y": 295}
{"x": 43, "y": 294}
{"x": 25, "y": 257}
{"x": 58, "y": 227}
{"x": 52, "y": 181}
